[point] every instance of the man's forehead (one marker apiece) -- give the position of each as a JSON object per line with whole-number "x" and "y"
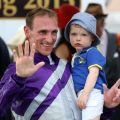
{"x": 45, "y": 20}
{"x": 45, "y": 24}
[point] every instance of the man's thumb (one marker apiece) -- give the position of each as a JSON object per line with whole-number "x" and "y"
{"x": 105, "y": 88}
{"x": 40, "y": 64}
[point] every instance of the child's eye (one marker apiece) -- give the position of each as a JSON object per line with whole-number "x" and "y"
{"x": 84, "y": 34}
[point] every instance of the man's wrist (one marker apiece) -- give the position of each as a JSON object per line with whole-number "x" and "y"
{"x": 19, "y": 80}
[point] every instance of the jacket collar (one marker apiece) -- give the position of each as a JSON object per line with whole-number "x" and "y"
{"x": 39, "y": 57}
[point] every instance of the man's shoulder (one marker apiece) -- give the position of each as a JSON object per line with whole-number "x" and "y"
{"x": 111, "y": 34}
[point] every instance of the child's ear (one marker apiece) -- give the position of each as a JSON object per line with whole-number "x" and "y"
{"x": 93, "y": 38}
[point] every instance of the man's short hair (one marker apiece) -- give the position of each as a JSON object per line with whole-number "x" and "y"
{"x": 38, "y": 12}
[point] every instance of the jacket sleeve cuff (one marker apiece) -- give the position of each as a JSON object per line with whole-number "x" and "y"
{"x": 19, "y": 80}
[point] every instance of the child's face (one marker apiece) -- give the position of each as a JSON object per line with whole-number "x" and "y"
{"x": 80, "y": 38}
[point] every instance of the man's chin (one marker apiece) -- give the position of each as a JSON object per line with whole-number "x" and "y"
{"x": 46, "y": 53}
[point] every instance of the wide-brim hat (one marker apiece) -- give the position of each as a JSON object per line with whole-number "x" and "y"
{"x": 85, "y": 20}
{"x": 94, "y": 7}
{"x": 65, "y": 12}
{"x": 96, "y": 10}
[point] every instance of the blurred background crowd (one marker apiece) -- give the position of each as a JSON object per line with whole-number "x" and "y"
{"x": 107, "y": 14}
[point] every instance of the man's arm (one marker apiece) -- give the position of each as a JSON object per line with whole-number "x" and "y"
{"x": 8, "y": 89}
{"x": 14, "y": 79}
{"x": 112, "y": 95}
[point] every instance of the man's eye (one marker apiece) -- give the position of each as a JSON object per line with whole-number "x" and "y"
{"x": 73, "y": 34}
{"x": 54, "y": 32}
{"x": 43, "y": 32}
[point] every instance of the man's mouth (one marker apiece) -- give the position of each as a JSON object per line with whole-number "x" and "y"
{"x": 46, "y": 44}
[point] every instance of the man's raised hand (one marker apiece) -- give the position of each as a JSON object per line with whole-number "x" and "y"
{"x": 24, "y": 59}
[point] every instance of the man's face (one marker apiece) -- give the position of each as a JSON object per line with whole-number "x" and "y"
{"x": 43, "y": 33}
{"x": 100, "y": 26}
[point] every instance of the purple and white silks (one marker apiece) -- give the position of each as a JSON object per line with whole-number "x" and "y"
{"x": 46, "y": 95}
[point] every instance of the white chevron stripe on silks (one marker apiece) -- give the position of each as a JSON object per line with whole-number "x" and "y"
{"x": 46, "y": 89}
{"x": 65, "y": 104}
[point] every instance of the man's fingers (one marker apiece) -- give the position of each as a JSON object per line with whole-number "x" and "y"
{"x": 117, "y": 84}
{"x": 32, "y": 52}
{"x": 39, "y": 65}
{"x": 20, "y": 50}
{"x": 15, "y": 56}
{"x": 26, "y": 49}
{"x": 105, "y": 88}
{"x": 117, "y": 97}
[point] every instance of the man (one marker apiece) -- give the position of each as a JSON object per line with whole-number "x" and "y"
{"x": 37, "y": 90}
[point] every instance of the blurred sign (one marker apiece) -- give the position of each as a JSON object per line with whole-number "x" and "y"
{"x": 19, "y": 8}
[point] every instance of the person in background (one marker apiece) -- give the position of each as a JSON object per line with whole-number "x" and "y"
{"x": 63, "y": 48}
{"x": 38, "y": 85}
{"x": 4, "y": 62}
{"x": 18, "y": 38}
{"x": 87, "y": 65}
{"x": 108, "y": 45}
{"x": 4, "y": 57}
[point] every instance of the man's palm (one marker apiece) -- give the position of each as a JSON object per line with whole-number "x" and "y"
{"x": 25, "y": 61}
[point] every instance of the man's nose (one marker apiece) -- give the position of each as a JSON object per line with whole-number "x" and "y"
{"x": 49, "y": 37}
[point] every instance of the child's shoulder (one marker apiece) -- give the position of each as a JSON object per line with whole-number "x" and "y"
{"x": 92, "y": 49}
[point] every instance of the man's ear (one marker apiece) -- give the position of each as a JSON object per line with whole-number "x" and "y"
{"x": 27, "y": 32}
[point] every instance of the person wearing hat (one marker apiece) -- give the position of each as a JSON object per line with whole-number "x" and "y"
{"x": 18, "y": 38}
{"x": 87, "y": 65}
{"x": 108, "y": 41}
{"x": 108, "y": 47}
{"x": 36, "y": 92}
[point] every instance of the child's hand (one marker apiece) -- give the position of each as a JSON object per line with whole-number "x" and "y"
{"x": 82, "y": 100}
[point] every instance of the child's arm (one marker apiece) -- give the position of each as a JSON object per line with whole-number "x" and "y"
{"x": 91, "y": 79}
{"x": 90, "y": 83}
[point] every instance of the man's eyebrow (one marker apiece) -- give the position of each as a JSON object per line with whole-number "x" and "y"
{"x": 55, "y": 30}
{"x": 44, "y": 30}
